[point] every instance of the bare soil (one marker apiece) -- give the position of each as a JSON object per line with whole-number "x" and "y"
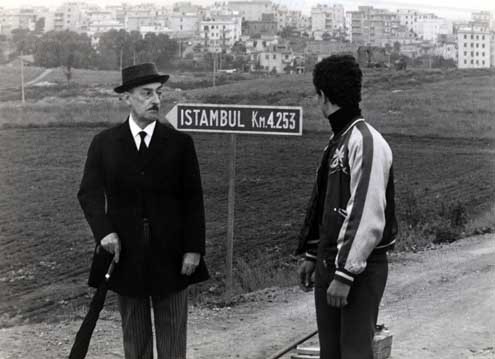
{"x": 438, "y": 304}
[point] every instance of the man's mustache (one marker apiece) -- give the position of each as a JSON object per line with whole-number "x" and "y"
{"x": 153, "y": 108}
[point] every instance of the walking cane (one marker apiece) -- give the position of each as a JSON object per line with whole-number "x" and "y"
{"x": 83, "y": 336}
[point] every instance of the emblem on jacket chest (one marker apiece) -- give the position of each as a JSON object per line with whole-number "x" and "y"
{"x": 337, "y": 162}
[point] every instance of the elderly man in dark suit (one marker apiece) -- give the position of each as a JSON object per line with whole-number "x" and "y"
{"x": 141, "y": 195}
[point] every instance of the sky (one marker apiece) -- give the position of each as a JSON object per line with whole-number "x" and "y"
{"x": 453, "y": 9}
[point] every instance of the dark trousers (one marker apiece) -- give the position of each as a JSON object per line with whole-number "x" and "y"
{"x": 170, "y": 314}
{"x": 347, "y": 333}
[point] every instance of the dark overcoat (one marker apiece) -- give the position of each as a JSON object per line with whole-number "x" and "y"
{"x": 119, "y": 187}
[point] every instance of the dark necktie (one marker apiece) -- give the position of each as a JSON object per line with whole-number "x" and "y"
{"x": 142, "y": 145}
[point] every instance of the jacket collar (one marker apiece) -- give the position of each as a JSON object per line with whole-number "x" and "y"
{"x": 158, "y": 142}
{"x": 346, "y": 129}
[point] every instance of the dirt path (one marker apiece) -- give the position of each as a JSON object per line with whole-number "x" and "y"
{"x": 39, "y": 78}
{"x": 438, "y": 304}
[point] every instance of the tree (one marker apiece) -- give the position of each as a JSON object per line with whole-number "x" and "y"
{"x": 64, "y": 48}
{"x": 120, "y": 48}
{"x": 114, "y": 50}
{"x": 24, "y": 40}
{"x": 39, "y": 27}
{"x": 397, "y": 46}
{"x": 326, "y": 36}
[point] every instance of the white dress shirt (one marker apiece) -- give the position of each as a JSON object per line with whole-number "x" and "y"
{"x": 135, "y": 129}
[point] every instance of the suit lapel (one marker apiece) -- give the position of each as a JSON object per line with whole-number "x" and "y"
{"x": 127, "y": 145}
{"x": 157, "y": 144}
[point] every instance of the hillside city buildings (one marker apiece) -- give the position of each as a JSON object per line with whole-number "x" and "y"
{"x": 262, "y": 29}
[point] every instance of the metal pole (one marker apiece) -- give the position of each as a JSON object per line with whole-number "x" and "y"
{"x": 22, "y": 78}
{"x": 121, "y": 55}
{"x": 230, "y": 219}
{"x": 214, "y": 66}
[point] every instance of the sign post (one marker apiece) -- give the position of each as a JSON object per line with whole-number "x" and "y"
{"x": 234, "y": 119}
{"x": 230, "y": 219}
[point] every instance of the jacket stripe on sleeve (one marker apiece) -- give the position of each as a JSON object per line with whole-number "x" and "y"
{"x": 370, "y": 159}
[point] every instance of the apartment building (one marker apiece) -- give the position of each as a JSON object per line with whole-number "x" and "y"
{"x": 72, "y": 15}
{"x": 292, "y": 18}
{"x": 266, "y": 26}
{"x": 474, "y": 46}
{"x": 326, "y": 18}
{"x": 373, "y": 27}
{"x": 9, "y": 20}
{"x": 482, "y": 18}
{"x": 252, "y": 10}
{"x": 431, "y": 29}
{"x": 411, "y": 18}
{"x": 144, "y": 15}
{"x": 102, "y": 21}
{"x": 219, "y": 35}
{"x": 184, "y": 24}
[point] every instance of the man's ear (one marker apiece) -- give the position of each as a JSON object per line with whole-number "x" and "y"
{"x": 125, "y": 98}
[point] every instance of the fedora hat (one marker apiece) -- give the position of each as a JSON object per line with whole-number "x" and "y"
{"x": 138, "y": 75}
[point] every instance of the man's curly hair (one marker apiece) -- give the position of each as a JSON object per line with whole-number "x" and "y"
{"x": 339, "y": 78}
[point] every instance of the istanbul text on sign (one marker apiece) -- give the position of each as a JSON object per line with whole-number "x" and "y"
{"x": 240, "y": 119}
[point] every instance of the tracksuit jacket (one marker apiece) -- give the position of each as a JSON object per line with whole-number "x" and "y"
{"x": 351, "y": 213}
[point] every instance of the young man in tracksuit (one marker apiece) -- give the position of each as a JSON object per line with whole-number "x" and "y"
{"x": 350, "y": 222}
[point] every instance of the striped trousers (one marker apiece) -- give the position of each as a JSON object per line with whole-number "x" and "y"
{"x": 170, "y": 319}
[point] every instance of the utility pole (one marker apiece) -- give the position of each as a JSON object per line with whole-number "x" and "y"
{"x": 22, "y": 77}
{"x": 214, "y": 67}
{"x": 121, "y": 55}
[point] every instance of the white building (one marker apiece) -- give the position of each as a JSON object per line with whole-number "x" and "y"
{"x": 373, "y": 27}
{"x": 140, "y": 16}
{"x": 184, "y": 25}
{"x": 9, "y": 20}
{"x": 158, "y": 28}
{"x": 102, "y": 21}
{"x": 252, "y": 10}
{"x": 220, "y": 35}
{"x": 292, "y": 18}
{"x": 430, "y": 29}
{"x": 327, "y": 18}
{"x": 254, "y": 46}
{"x": 275, "y": 61}
{"x": 482, "y": 18}
{"x": 474, "y": 47}
{"x": 72, "y": 15}
{"x": 411, "y": 18}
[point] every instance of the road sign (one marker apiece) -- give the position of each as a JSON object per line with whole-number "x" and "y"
{"x": 268, "y": 120}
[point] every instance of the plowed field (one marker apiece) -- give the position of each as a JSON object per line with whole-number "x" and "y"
{"x": 45, "y": 243}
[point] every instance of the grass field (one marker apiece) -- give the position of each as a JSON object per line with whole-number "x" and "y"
{"x": 443, "y": 153}
{"x": 11, "y": 76}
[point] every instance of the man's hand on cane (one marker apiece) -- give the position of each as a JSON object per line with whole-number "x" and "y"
{"x": 111, "y": 243}
{"x": 190, "y": 262}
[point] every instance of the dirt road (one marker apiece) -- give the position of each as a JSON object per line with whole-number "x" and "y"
{"x": 438, "y": 304}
